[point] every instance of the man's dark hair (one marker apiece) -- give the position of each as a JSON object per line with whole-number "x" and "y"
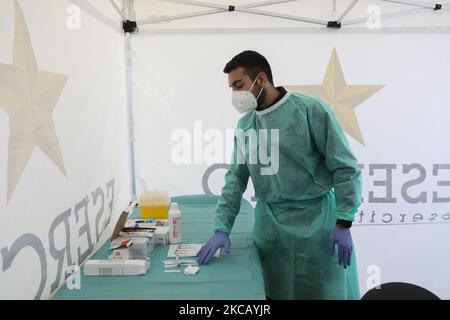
{"x": 253, "y": 63}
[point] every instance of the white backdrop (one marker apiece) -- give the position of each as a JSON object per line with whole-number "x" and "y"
{"x": 179, "y": 84}
{"x": 58, "y": 209}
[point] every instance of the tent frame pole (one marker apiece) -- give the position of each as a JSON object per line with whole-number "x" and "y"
{"x": 346, "y": 11}
{"x": 226, "y": 7}
{"x": 129, "y": 93}
{"x": 217, "y": 8}
{"x": 116, "y": 7}
{"x": 282, "y": 16}
{"x": 178, "y": 17}
{"x": 97, "y": 14}
{"x": 387, "y": 16}
{"x": 413, "y": 3}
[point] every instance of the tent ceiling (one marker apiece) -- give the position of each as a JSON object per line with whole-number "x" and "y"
{"x": 394, "y": 14}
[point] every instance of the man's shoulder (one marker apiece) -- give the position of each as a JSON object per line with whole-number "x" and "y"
{"x": 309, "y": 103}
{"x": 305, "y": 100}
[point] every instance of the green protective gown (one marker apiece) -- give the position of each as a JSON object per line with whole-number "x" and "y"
{"x": 317, "y": 182}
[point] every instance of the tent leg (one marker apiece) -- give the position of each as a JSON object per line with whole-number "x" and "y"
{"x": 129, "y": 92}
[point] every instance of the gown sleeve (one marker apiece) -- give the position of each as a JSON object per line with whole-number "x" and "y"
{"x": 331, "y": 142}
{"x": 236, "y": 180}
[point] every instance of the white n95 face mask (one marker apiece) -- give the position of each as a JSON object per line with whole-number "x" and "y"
{"x": 245, "y": 101}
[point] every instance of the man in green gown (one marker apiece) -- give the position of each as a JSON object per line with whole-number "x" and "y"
{"x": 307, "y": 195}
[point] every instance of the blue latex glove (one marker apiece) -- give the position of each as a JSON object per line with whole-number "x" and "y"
{"x": 343, "y": 238}
{"x": 218, "y": 240}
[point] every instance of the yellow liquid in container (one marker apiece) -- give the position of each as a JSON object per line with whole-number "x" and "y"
{"x": 157, "y": 212}
{"x": 154, "y": 204}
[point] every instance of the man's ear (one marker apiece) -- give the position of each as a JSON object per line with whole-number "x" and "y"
{"x": 264, "y": 81}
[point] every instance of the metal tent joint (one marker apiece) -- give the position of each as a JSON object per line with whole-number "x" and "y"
{"x": 129, "y": 26}
{"x": 334, "y": 24}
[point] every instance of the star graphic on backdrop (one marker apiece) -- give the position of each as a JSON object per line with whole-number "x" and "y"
{"x": 342, "y": 97}
{"x": 28, "y": 95}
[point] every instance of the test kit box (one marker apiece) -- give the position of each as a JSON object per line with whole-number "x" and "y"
{"x": 130, "y": 243}
{"x": 124, "y": 248}
{"x": 116, "y": 267}
{"x": 157, "y": 229}
{"x": 162, "y": 235}
{"x": 142, "y": 248}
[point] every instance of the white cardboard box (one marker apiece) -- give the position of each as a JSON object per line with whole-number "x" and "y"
{"x": 142, "y": 248}
{"x": 162, "y": 235}
{"x": 116, "y": 267}
{"x": 120, "y": 254}
{"x": 137, "y": 248}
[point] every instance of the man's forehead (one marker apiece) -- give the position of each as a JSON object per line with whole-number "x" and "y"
{"x": 236, "y": 75}
{"x": 238, "y": 72}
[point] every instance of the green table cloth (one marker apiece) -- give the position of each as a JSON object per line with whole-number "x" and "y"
{"x": 237, "y": 275}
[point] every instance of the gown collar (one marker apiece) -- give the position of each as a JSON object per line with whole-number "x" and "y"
{"x": 275, "y": 106}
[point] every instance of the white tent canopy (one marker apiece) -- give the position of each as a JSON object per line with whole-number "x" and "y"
{"x": 260, "y": 16}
